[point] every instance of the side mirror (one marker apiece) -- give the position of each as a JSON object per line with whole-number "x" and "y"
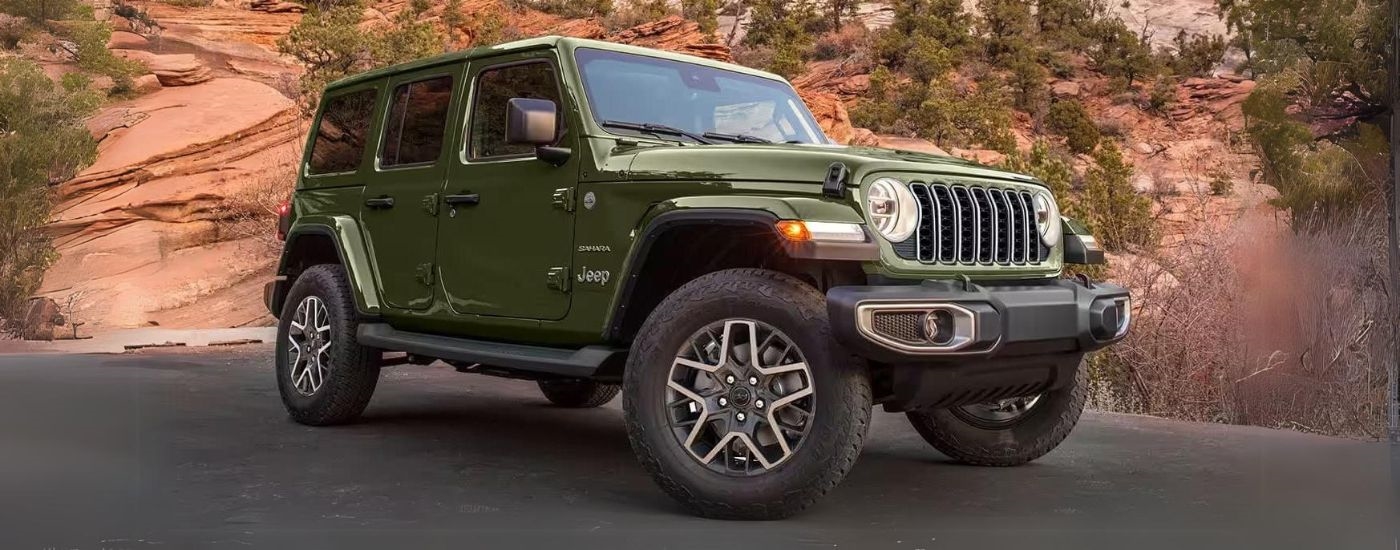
{"x": 531, "y": 121}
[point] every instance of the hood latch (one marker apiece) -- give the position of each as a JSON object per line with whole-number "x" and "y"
{"x": 835, "y": 183}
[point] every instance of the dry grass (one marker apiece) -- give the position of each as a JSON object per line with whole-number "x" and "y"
{"x": 1287, "y": 332}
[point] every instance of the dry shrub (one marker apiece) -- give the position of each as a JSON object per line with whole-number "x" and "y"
{"x": 250, "y": 214}
{"x": 1288, "y": 331}
{"x": 850, "y": 41}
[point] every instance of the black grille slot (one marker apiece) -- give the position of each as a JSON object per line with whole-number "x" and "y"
{"x": 963, "y": 224}
{"x": 966, "y": 216}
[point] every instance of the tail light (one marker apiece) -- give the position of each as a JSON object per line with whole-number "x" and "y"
{"x": 284, "y": 220}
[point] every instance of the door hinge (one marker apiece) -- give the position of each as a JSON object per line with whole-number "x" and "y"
{"x": 430, "y": 204}
{"x": 558, "y": 279}
{"x": 425, "y": 273}
{"x": 564, "y": 198}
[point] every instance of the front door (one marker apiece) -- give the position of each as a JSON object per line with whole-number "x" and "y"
{"x": 401, "y": 198}
{"x": 505, "y": 236}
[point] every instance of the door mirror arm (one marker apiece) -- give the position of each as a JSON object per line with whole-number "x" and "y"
{"x": 554, "y": 156}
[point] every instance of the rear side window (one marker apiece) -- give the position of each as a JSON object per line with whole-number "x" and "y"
{"x": 494, "y": 87}
{"x": 417, "y": 120}
{"x": 340, "y": 137}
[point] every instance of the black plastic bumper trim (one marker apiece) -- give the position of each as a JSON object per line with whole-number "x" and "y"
{"x": 1013, "y": 319}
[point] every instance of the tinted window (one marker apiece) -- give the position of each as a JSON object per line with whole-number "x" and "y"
{"x": 340, "y": 137}
{"x": 493, "y": 89}
{"x": 416, "y": 123}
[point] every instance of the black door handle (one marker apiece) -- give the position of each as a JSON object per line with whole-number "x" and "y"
{"x": 468, "y": 199}
{"x": 380, "y": 202}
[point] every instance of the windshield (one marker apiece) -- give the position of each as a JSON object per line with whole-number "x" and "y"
{"x": 627, "y": 88}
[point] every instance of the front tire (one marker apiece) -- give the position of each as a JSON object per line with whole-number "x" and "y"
{"x": 324, "y": 375}
{"x": 738, "y": 400}
{"x": 1007, "y": 432}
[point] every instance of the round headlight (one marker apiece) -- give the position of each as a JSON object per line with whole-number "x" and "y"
{"x": 1047, "y": 218}
{"x": 892, "y": 209}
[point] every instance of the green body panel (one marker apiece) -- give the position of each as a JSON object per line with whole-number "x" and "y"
{"x": 405, "y": 236}
{"x": 353, "y": 249}
{"x": 493, "y": 260}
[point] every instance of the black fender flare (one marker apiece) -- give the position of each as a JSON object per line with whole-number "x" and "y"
{"x": 735, "y": 217}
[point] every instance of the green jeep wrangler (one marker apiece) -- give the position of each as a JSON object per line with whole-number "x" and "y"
{"x": 602, "y": 218}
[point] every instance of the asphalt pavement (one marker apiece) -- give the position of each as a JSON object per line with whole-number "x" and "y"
{"x": 191, "y": 449}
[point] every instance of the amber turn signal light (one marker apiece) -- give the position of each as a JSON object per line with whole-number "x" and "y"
{"x": 794, "y": 230}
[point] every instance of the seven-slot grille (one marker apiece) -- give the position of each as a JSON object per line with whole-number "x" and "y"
{"x": 969, "y": 224}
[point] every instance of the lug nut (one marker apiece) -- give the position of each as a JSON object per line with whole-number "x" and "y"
{"x": 729, "y": 379}
{"x": 723, "y": 402}
{"x": 753, "y": 380}
{"x": 758, "y": 403}
{"x": 740, "y": 417}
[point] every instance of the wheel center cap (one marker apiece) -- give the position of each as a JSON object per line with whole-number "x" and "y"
{"x": 740, "y": 395}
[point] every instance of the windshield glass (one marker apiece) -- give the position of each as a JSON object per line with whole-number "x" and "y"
{"x": 697, "y": 99}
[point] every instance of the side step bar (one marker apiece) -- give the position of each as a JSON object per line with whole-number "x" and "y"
{"x": 579, "y": 363}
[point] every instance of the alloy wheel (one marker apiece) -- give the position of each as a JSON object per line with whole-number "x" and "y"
{"x": 310, "y": 343}
{"x": 740, "y": 397}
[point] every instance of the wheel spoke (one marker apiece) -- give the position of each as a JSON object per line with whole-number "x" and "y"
{"x": 727, "y": 391}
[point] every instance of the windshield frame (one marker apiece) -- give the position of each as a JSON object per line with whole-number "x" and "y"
{"x": 803, "y": 112}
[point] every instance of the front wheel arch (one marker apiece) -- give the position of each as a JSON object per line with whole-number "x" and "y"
{"x": 669, "y": 253}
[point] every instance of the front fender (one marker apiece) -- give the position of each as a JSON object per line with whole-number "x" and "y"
{"x": 350, "y": 247}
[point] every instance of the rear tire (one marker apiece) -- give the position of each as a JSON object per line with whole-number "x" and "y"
{"x": 323, "y": 373}
{"x": 976, "y": 436}
{"x": 699, "y": 342}
{"x": 578, "y": 394}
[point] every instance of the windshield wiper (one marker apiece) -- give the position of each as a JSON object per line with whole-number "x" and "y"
{"x": 736, "y": 138}
{"x": 656, "y": 129}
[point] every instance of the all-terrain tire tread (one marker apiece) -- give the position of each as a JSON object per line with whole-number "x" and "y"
{"x": 940, "y": 429}
{"x": 857, "y": 406}
{"x": 355, "y": 368}
{"x": 582, "y": 394}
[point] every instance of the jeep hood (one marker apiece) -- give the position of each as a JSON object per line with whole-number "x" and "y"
{"x": 798, "y": 163}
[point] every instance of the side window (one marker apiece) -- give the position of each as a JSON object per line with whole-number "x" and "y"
{"x": 340, "y": 137}
{"x": 494, "y": 87}
{"x": 413, "y": 131}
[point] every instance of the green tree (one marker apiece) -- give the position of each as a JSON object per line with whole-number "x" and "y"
{"x": 1196, "y": 54}
{"x": 1118, "y": 52}
{"x": 42, "y": 141}
{"x": 332, "y": 45}
{"x": 40, "y": 11}
{"x": 1005, "y": 26}
{"x": 944, "y": 21}
{"x": 1316, "y": 179}
{"x": 1333, "y": 45}
{"x": 1069, "y": 118}
{"x": 785, "y": 26}
{"x": 703, "y": 12}
{"x": 1119, "y": 217}
{"x": 927, "y": 59}
{"x": 1027, "y": 83}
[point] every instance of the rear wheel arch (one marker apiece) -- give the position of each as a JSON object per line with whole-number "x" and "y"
{"x": 312, "y": 244}
{"x": 679, "y": 246}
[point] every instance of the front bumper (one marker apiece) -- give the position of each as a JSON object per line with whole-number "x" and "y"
{"x": 991, "y": 341}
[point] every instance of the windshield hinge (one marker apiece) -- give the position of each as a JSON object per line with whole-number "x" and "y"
{"x": 564, "y": 199}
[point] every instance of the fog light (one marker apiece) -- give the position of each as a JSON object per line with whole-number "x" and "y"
{"x": 939, "y": 327}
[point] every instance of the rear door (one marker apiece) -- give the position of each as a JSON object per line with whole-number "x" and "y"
{"x": 401, "y": 198}
{"x": 507, "y": 253}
